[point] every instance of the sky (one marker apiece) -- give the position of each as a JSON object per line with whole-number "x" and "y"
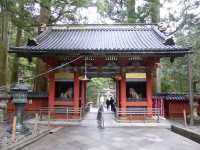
{"x": 167, "y": 6}
{"x": 94, "y": 17}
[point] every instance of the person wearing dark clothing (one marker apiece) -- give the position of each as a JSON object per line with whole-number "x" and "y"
{"x": 112, "y": 104}
{"x": 107, "y": 103}
{"x": 114, "y": 108}
{"x": 100, "y": 120}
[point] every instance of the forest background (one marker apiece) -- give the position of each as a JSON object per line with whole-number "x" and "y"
{"x": 21, "y": 20}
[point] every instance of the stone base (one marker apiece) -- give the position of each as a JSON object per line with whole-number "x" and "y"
{"x": 23, "y": 130}
{"x": 1, "y": 116}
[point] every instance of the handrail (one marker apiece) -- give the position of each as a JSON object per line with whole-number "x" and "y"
{"x": 152, "y": 112}
{"x": 69, "y": 113}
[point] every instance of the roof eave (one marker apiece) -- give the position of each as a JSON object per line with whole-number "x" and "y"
{"x": 164, "y": 52}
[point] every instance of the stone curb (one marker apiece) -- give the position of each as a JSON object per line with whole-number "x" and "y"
{"x": 21, "y": 144}
{"x": 186, "y": 133}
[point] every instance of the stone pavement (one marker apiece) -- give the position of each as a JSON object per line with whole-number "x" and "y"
{"x": 110, "y": 122}
{"x": 89, "y": 120}
{"x": 86, "y": 136}
{"x": 89, "y": 138}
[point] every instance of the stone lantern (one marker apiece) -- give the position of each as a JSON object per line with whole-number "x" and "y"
{"x": 19, "y": 94}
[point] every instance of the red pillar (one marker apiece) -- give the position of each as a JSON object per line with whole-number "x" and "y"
{"x": 76, "y": 90}
{"x": 123, "y": 93}
{"x": 51, "y": 98}
{"x": 149, "y": 89}
{"x": 117, "y": 92}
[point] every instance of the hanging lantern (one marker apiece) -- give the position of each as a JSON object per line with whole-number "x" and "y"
{"x": 85, "y": 78}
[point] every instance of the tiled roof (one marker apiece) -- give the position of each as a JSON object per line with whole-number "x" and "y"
{"x": 171, "y": 97}
{"x": 139, "y": 39}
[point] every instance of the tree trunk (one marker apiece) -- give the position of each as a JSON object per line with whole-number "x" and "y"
{"x": 155, "y": 11}
{"x": 14, "y": 76}
{"x": 4, "y": 23}
{"x": 155, "y": 18}
{"x": 41, "y": 83}
{"x": 131, "y": 11}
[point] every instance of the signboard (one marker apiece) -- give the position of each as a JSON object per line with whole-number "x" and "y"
{"x": 135, "y": 75}
{"x": 64, "y": 76}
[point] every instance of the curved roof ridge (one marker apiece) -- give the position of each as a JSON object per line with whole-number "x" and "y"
{"x": 103, "y": 27}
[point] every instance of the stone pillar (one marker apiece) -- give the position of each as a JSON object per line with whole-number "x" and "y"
{"x": 1, "y": 115}
{"x": 3, "y": 108}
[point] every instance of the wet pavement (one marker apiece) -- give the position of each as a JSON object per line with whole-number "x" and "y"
{"x": 90, "y": 138}
{"x": 86, "y": 136}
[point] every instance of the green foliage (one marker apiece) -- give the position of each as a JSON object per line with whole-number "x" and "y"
{"x": 131, "y": 11}
{"x": 174, "y": 76}
{"x": 154, "y": 10}
{"x": 22, "y": 16}
{"x": 96, "y": 85}
{"x": 103, "y": 7}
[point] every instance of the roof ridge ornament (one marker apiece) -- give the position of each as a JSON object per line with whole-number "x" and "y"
{"x": 169, "y": 41}
{"x": 32, "y": 42}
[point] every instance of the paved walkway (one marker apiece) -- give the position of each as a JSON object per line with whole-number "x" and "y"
{"x": 87, "y": 138}
{"x": 89, "y": 120}
{"x": 109, "y": 121}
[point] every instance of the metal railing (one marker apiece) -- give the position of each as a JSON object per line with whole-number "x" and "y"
{"x": 61, "y": 113}
{"x": 137, "y": 114}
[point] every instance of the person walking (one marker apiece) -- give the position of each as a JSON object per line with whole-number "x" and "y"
{"x": 112, "y": 104}
{"x": 101, "y": 100}
{"x": 100, "y": 119}
{"x": 107, "y": 104}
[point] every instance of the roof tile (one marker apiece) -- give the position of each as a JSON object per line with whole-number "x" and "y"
{"x": 118, "y": 38}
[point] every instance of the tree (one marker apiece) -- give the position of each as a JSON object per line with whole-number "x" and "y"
{"x": 4, "y": 28}
{"x": 96, "y": 85}
{"x": 40, "y": 84}
{"x": 187, "y": 32}
{"x": 154, "y": 11}
{"x": 131, "y": 11}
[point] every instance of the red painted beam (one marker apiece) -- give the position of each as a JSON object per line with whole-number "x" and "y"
{"x": 99, "y": 61}
{"x": 123, "y": 61}
{"x": 136, "y": 103}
